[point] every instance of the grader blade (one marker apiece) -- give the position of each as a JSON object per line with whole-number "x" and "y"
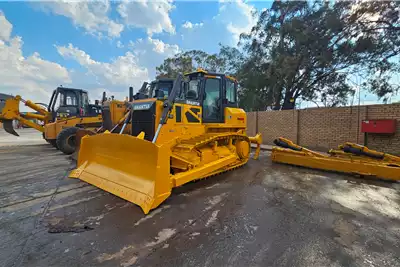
{"x": 126, "y": 166}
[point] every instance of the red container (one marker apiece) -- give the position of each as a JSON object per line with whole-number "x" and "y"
{"x": 378, "y": 126}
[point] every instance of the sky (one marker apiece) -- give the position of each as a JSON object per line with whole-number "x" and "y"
{"x": 108, "y": 45}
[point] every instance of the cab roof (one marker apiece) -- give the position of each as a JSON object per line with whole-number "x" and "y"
{"x": 71, "y": 89}
{"x": 202, "y": 72}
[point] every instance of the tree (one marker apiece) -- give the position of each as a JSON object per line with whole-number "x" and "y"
{"x": 190, "y": 61}
{"x": 302, "y": 50}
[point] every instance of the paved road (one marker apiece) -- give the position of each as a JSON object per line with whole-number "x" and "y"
{"x": 262, "y": 214}
{"x": 27, "y": 136}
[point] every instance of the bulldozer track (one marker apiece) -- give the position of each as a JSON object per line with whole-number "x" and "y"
{"x": 200, "y": 141}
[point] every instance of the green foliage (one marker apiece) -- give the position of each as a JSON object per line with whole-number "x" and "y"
{"x": 307, "y": 51}
{"x": 190, "y": 61}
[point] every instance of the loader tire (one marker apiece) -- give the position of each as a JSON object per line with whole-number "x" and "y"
{"x": 66, "y": 140}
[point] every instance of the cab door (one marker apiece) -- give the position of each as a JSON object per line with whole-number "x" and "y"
{"x": 212, "y": 99}
{"x": 188, "y": 105}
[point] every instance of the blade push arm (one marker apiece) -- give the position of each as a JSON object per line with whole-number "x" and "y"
{"x": 168, "y": 104}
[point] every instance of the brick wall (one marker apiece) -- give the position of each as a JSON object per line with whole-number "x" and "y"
{"x": 324, "y": 128}
{"x": 284, "y": 121}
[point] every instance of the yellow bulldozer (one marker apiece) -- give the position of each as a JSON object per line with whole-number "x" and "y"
{"x": 196, "y": 132}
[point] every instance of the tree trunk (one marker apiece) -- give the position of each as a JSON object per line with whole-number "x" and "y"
{"x": 287, "y": 103}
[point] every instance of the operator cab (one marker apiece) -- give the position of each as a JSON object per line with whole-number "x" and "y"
{"x": 201, "y": 97}
{"x": 70, "y": 102}
{"x": 213, "y": 92}
{"x": 161, "y": 88}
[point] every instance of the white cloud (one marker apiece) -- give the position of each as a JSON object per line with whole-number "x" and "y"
{"x": 32, "y": 77}
{"x": 117, "y": 75}
{"x": 120, "y": 44}
{"x": 189, "y": 25}
{"x": 5, "y": 28}
{"x": 243, "y": 14}
{"x": 233, "y": 18}
{"x": 152, "y": 52}
{"x": 92, "y": 16}
{"x": 150, "y": 15}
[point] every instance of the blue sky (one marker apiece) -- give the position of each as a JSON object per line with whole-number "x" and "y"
{"x": 108, "y": 46}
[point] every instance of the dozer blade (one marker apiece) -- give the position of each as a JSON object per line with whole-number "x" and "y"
{"x": 126, "y": 166}
{"x": 8, "y": 127}
{"x": 78, "y": 139}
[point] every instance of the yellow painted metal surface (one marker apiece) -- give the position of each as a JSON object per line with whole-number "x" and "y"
{"x": 118, "y": 110}
{"x": 258, "y": 141}
{"x": 339, "y": 162}
{"x": 50, "y": 131}
{"x": 131, "y": 168}
{"x": 144, "y": 173}
{"x": 235, "y": 117}
{"x": 11, "y": 112}
{"x": 30, "y": 115}
{"x": 11, "y": 109}
{"x": 36, "y": 107}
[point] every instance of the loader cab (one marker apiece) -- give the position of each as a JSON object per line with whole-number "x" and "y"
{"x": 70, "y": 102}
{"x": 213, "y": 92}
{"x": 161, "y": 88}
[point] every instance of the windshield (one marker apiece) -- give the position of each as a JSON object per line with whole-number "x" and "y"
{"x": 161, "y": 89}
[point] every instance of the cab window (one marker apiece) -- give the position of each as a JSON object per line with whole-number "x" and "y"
{"x": 212, "y": 97}
{"x": 230, "y": 92}
{"x": 59, "y": 101}
{"x": 162, "y": 91}
{"x": 85, "y": 99}
{"x": 70, "y": 99}
{"x": 192, "y": 92}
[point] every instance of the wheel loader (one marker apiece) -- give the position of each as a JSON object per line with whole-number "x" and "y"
{"x": 197, "y": 132}
{"x": 68, "y": 110}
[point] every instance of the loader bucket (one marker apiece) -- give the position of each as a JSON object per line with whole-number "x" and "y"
{"x": 126, "y": 166}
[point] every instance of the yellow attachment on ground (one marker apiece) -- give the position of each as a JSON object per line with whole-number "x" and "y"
{"x": 258, "y": 141}
{"x": 338, "y": 161}
{"x": 126, "y": 166}
{"x": 364, "y": 151}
